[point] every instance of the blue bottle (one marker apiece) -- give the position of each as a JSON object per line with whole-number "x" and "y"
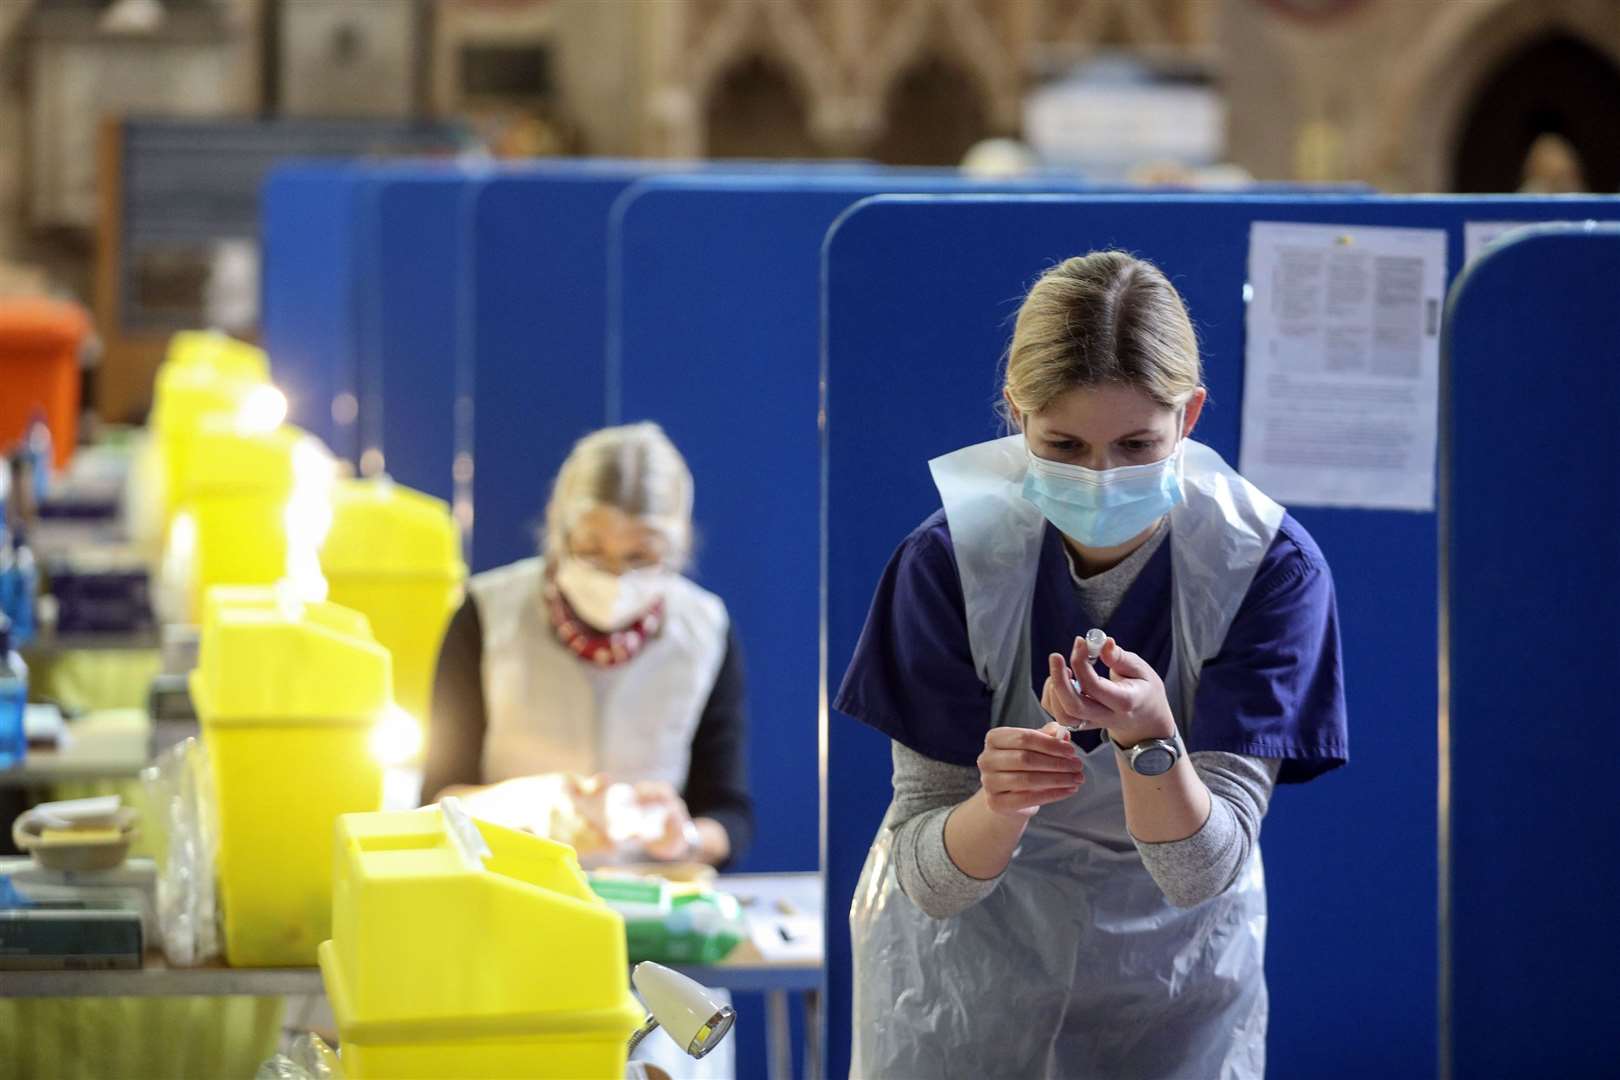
{"x": 25, "y": 591}
{"x": 13, "y": 699}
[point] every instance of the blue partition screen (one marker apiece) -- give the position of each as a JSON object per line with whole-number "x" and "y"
{"x": 716, "y": 340}
{"x": 713, "y": 332}
{"x": 1531, "y": 550}
{"x": 535, "y": 329}
{"x": 920, "y": 293}
{"x": 418, "y": 249}
{"x": 309, "y": 321}
{"x": 535, "y": 332}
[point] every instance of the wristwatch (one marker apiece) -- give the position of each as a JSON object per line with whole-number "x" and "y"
{"x": 1153, "y": 757}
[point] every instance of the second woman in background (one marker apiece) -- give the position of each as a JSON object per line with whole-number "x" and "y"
{"x": 599, "y": 663}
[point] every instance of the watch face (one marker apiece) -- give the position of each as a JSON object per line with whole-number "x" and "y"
{"x": 1154, "y": 761}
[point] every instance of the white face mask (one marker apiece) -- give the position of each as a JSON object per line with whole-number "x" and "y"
{"x": 609, "y": 601}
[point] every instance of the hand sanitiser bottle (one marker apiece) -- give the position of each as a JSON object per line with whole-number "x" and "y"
{"x": 13, "y": 700}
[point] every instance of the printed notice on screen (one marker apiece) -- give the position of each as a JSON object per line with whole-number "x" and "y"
{"x": 1342, "y": 365}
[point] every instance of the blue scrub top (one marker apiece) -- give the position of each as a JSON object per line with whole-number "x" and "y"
{"x": 1275, "y": 690}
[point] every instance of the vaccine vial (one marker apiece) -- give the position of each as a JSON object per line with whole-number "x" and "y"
{"x": 1095, "y": 640}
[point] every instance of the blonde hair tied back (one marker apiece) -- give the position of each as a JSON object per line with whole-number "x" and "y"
{"x": 1099, "y": 319}
{"x": 634, "y": 468}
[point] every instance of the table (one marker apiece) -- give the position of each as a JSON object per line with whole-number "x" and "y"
{"x": 53, "y": 644}
{"x": 747, "y": 970}
{"x": 84, "y": 760}
{"x": 157, "y": 979}
{"x": 768, "y": 901}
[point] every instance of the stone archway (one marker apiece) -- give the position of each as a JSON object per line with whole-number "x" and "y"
{"x": 933, "y": 114}
{"x": 754, "y": 109}
{"x": 1450, "y": 67}
{"x": 1556, "y": 84}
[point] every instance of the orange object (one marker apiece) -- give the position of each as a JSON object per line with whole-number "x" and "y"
{"x": 39, "y": 369}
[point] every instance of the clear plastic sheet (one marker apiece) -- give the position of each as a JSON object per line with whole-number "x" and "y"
{"x": 1075, "y": 965}
{"x": 309, "y": 1059}
{"x": 178, "y": 789}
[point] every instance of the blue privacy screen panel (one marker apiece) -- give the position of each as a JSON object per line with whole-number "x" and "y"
{"x": 418, "y": 249}
{"x": 920, "y": 294}
{"x": 535, "y": 329}
{"x": 1529, "y": 530}
{"x": 714, "y": 328}
{"x": 309, "y": 322}
{"x": 535, "y": 335}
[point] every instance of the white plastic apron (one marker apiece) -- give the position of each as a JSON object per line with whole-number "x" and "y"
{"x": 1075, "y": 966}
{"x": 548, "y": 711}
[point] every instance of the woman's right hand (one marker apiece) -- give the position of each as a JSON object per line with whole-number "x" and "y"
{"x": 1023, "y": 769}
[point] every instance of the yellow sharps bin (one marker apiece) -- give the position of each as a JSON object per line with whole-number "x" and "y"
{"x": 395, "y": 554}
{"x": 219, "y": 352}
{"x": 254, "y": 509}
{"x": 289, "y": 694}
{"x": 204, "y": 376}
{"x": 461, "y": 949}
{"x": 208, "y": 376}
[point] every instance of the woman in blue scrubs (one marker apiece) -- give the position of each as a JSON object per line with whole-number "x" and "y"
{"x": 1068, "y": 881}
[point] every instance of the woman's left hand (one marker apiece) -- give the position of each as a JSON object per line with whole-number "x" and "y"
{"x": 1130, "y": 704}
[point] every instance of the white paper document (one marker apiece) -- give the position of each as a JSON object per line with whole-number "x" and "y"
{"x": 1342, "y": 365}
{"x": 787, "y": 939}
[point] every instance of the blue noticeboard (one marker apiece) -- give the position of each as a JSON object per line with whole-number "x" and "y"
{"x": 417, "y": 249}
{"x": 309, "y": 321}
{"x": 1530, "y": 601}
{"x": 918, "y": 300}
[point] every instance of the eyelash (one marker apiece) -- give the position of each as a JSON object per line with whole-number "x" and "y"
{"x": 1065, "y": 446}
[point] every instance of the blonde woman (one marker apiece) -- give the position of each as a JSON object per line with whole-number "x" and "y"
{"x": 1068, "y": 880}
{"x": 599, "y": 663}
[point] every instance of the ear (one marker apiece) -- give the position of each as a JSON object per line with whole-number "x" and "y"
{"x": 1195, "y": 409}
{"x": 1012, "y": 410}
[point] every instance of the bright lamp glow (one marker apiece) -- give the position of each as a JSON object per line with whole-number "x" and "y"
{"x": 397, "y": 738}
{"x": 307, "y": 516}
{"x": 263, "y": 409}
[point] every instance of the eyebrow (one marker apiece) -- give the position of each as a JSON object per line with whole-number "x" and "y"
{"x": 1076, "y": 438}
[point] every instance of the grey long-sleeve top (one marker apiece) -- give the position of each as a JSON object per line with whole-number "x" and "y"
{"x": 1188, "y": 871}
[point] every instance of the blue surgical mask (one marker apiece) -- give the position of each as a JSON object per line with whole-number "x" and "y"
{"x": 1104, "y": 509}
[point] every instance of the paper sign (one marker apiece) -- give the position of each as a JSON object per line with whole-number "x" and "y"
{"x": 1341, "y": 391}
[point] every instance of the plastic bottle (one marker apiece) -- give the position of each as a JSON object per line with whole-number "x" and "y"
{"x": 37, "y": 444}
{"x": 13, "y": 699}
{"x": 8, "y": 574}
{"x": 25, "y": 590}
